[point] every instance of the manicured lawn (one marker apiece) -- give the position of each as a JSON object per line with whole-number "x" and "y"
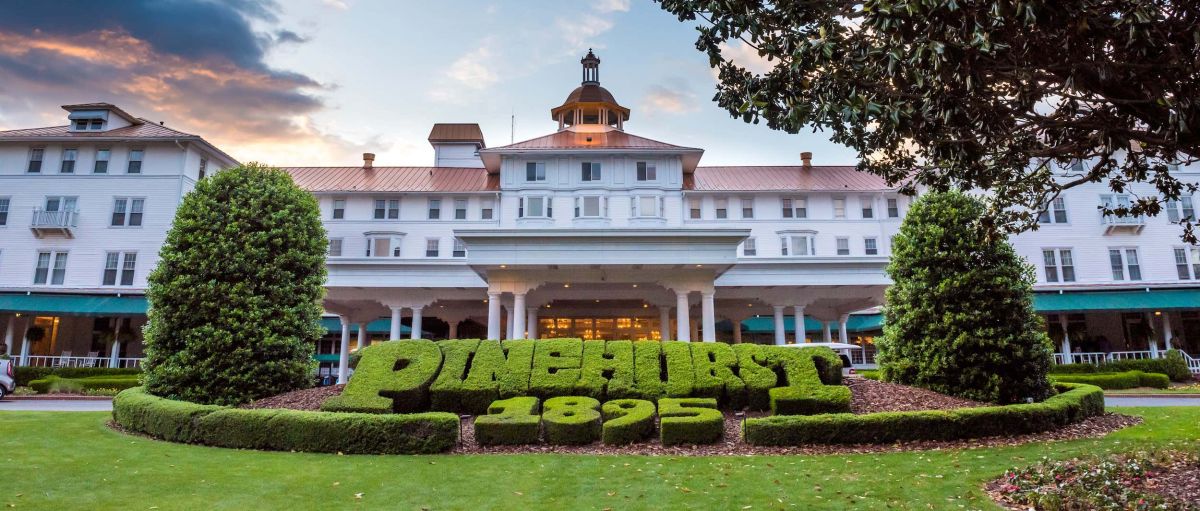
{"x": 1175, "y": 388}
{"x": 72, "y": 461}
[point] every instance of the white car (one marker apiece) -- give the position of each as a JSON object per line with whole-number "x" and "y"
{"x": 7, "y": 383}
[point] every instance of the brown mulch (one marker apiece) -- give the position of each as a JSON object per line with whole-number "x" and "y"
{"x": 1178, "y": 481}
{"x": 870, "y": 396}
{"x": 307, "y": 399}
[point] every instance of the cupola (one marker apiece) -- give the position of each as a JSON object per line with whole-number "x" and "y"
{"x": 590, "y": 107}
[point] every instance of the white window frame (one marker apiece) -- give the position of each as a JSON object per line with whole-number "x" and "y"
{"x": 790, "y": 247}
{"x": 137, "y": 157}
{"x": 55, "y": 270}
{"x": 202, "y": 169}
{"x": 395, "y": 242}
{"x": 646, "y": 171}
{"x": 839, "y": 211}
{"x": 460, "y": 248}
{"x": 63, "y": 202}
{"x": 1182, "y": 209}
{"x": 893, "y": 207}
{"x": 870, "y": 246}
{"x": 1189, "y": 267}
{"x": 5, "y": 204}
{"x": 390, "y": 207}
{"x": 124, "y": 269}
{"x": 794, "y": 207}
{"x": 336, "y": 213}
{"x": 1055, "y": 212}
{"x": 460, "y": 209}
{"x": 695, "y": 207}
{"x": 535, "y": 171}
{"x": 36, "y": 154}
{"x": 546, "y": 203}
{"x": 73, "y": 153}
{"x": 591, "y": 171}
{"x": 1126, "y": 272}
{"x": 721, "y": 208}
{"x": 336, "y": 245}
{"x": 433, "y": 247}
{"x": 749, "y": 247}
{"x": 107, "y": 156}
{"x": 127, "y": 207}
{"x": 433, "y": 209}
{"x": 841, "y": 245}
{"x": 637, "y": 211}
{"x": 487, "y": 208}
{"x": 867, "y": 205}
{"x": 1058, "y": 263}
{"x": 581, "y": 206}
{"x": 748, "y": 204}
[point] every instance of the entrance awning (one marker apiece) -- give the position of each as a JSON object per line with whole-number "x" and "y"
{"x": 73, "y": 305}
{"x": 379, "y": 326}
{"x": 766, "y": 324}
{"x": 1144, "y": 300}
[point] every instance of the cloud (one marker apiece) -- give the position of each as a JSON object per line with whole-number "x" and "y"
{"x": 473, "y": 71}
{"x": 676, "y": 100}
{"x": 287, "y": 36}
{"x": 746, "y": 56}
{"x": 611, "y": 5}
{"x": 580, "y": 33}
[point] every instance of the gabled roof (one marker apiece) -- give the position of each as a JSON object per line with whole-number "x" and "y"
{"x": 146, "y": 130}
{"x": 393, "y": 179}
{"x": 104, "y": 106}
{"x": 572, "y": 140}
{"x": 457, "y": 132}
{"x": 798, "y": 178}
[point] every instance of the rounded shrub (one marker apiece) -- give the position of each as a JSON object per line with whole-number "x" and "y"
{"x": 235, "y": 299}
{"x": 571, "y": 420}
{"x": 627, "y": 421}
{"x": 959, "y": 317}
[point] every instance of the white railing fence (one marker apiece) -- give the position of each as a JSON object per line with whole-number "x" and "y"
{"x": 43, "y": 218}
{"x": 60, "y": 361}
{"x": 1193, "y": 363}
{"x": 1134, "y": 355}
{"x": 1101, "y": 357}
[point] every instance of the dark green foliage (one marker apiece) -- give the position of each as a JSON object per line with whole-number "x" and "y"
{"x": 1073, "y": 404}
{"x": 813, "y": 381}
{"x": 960, "y": 317}
{"x": 23, "y": 375}
{"x": 693, "y": 420}
{"x": 647, "y": 370}
{"x": 755, "y": 371}
{"x": 870, "y": 374}
{"x": 392, "y": 377}
{"x": 55, "y": 384}
{"x": 571, "y": 420}
{"x": 235, "y": 298}
{"x": 681, "y": 376}
{"x": 1073, "y": 369}
{"x": 714, "y": 364}
{"x": 466, "y": 385}
{"x": 512, "y": 421}
{"x": 515, "y": 382}
{"x": 1116, "y": 381}
{"x": 627, "y": 421}
{"x": 175, "y": 421}
{"x": 607, "y": 370}
{"x": 1171, "y": 364}
{"x": 810, "y": 400}
{"x": 556, "y": 365}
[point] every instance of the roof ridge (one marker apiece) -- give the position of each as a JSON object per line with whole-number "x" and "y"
{"x": 38, "y": 128}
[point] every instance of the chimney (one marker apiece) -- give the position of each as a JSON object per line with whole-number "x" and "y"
{"x": 806, "y": 158}
{"x": 368, "y": 160}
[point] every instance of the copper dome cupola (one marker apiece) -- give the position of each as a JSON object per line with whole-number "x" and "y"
{"x": 590, "y": 107}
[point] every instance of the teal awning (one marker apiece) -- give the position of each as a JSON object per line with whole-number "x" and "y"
{"x": 766, "y": 324}
{"x": 379, "y": 326}
{"x": 73, "y": 305}
{"x": 328, "y": 357}
{"x": 1085, "y": 301}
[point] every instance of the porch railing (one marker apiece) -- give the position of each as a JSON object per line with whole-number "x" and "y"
{"x": 1132, "y": 355}
{"x": 1081, "y": 358}
{"x": 61, "y": 361}
{"x": 1101, "y": 357}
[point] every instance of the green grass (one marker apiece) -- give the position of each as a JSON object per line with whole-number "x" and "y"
{"x": 1175, "y": 388}
{"x": 72, "y": 461}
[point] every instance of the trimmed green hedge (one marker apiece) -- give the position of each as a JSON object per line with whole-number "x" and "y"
{"x": 285, "y": 430}
{"x": 755, "y": 370}
{"x": 648, "y": 375}
{"x": 571, "y": 420}
{"x": 870, "y": 374}
{"x": 714, "y": 364}
{"x": 814, "y": 377}
{"x": 1116, "y": 381}
{"x": 55, "y": 384}
{"x": 556, "y": 367}
{"x": 519, "y": 364}
{"x": 809, "y": 400}
{"x": 468, "y": 381}
{"x": 395, "y": 378}
{"x": 693, "y": 420}
{"x": 1075, "y": 402}
{"x": 511, "y": 421}
{"x": 1171, "y": 364}
{"x": 607, "y": 370}
{"x": 24, "y": 375}
{"x": 627, "y": 421}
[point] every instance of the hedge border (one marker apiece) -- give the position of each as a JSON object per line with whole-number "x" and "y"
{"x": 52, "y": 382}
{"x": 23, "y": 375}
{"x": 284, "y": 430}
{"x": 1116, "y": 381}
{"x": 1074, "y": 403}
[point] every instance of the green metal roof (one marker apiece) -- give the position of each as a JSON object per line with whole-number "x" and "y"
{"x": 379, "y": 326}
{"x": 766, "y": 324}
{"x": 73, "y": 305}
{"x": 1143, "y": 300}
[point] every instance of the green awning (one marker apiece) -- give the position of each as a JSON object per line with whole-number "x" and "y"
{"x": 766, "y": 324}
{"x": 73, "y": 305}
{"x": 1084, "y": 301}
{"x": 328, "y": 357}
{"x": 379, "y": 326}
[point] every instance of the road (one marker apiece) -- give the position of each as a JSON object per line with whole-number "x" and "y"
{"x": 1151, "y": 401}
{"x": 55, "y": 405}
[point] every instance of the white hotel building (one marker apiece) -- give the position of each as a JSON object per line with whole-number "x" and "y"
{"x": 589, "y": 231}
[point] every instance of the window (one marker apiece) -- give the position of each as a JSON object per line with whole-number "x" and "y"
{"x": 870, "y": 246}
{"x": 435, "y": 209}
{"x": 118, "y": 264}
{"x": 795, "y": 208}
{"x": 339, "y": 209}
{"x": 102, "y": 156}
{"x": 868, "y": 206}
{"x": 749, "y": 247}
{"x": 135, "y": 161}
{"x": 487, "y": 208}
{"x": 1124, "y": 262}
{"x": 590, "y": 207}
{"x": 1060, "y": 264}
{"x": 590, "y": 171}
{"x": 81, "y": 125}
{"x": 61, "y": 203}
{"x": 460, "y": 209}
{"x": 203, "y": 168}
{"x": 535, "y": 171}
{"x": 800, "y": 245}
{"x": 1187, "y": 262}
{"x": 722, "y": 207}
{"x": 460, "y": 248}
{"x": 893, "y": 207}
{"x": 383, "y": 245}
{"x": 747, "y": 207}
{"x": 1055, "y": 213}
{"x": 97, "y": 124}
{"x": 68, "y": 160}
{"x": 1115, "y": 202}
{"x": 646, "y": 206}
{"x": 694, "y": 208}
{"x": 335, "y": 247}
{"x": 432, "y": 247}
{"x": 839, "y": 207}
{"x": 1181, "y": 209}
{"x": 47, "y": 273}
{"x": 387, "y": 209}
{"x": 843, "y": 246}
{"x": 35, "y": 159}
{"x": 535, "y": 207}
{"x": 646, "y": 171}
{"x": 127, "y": 211}
{"x": 4, "y": 210}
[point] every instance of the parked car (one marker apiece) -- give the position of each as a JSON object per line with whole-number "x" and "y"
{"x": 7, "y": 383}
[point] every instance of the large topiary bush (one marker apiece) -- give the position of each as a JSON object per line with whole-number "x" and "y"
{"x": 959, "y": 317}
{"x": 235, "y": 299}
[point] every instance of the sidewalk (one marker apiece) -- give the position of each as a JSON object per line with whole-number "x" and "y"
{"x": 56, "y": 405}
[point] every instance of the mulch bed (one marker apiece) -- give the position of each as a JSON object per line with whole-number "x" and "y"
{"x": 1178, "y": 481}
{"x": 870, "y": 396}
{"x": 307, "y": 399}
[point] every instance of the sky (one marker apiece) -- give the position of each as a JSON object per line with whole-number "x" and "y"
{"x": 318, "y": 82}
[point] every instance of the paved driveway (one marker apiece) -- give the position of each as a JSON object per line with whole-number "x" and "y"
{"x": 1151, "y": 401}
{"x": 55, "y": 405}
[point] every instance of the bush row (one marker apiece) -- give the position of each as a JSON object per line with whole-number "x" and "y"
{"x": 468, "y": 375}
{"x": 57, "y": 384}
{"x": 1171, "y": 364}
{"x": 24, "y": 375}
{"x": 284, "y": 430}
{"x": 1116, "y": 381}
{"x": 578, "y": 420}
{"x": 1075, "y": 402}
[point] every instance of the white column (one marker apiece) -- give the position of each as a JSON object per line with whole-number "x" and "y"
{"x": 453, "y": 333}
{"x": 518, "y": 315}
{"x": 1066, "y": 339}
{"x": 780, "y": 334}
{"x": 708, "y": 315}
{"x": 508, "y": 326}
{"x": 416, "y": 322}
{"x": 344, "y": 353}
{"x": 664, "y": 322}
{"x": 799, "y": 319}
{"x": 362, "y": 334}
{"x": 826, "y": 335}
{"x": 531, "y": 322}
{"x": 843, "y": 332}
{"x": 1153, "y": 340}
{"x": 115, "y": 356}
{"x": 493, "y": 329}
{"x": 682, "y": 329}
{"x": 1166, "y": 329}
{"x": 24, "y": 342}
{"x": 8, "y": 336}
{"x": 395, "y": 332}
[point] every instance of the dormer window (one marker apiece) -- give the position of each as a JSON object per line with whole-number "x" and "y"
{"x": 88, "y": 120}
{"x": 96, "y": 125}
{"x": 81, "y": 125}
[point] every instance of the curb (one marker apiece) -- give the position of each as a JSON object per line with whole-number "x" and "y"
{"x": 53, "y": 397}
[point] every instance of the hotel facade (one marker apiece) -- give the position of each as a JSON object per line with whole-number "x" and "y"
{"x": 589, "y": 231}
